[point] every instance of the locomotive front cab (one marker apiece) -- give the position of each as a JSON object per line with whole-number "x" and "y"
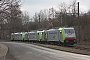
{"x": 70, "y": 37}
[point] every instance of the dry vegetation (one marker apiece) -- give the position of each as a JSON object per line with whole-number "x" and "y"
{"x": 80, "y": 49}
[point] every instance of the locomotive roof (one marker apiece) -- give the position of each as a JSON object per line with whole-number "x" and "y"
{"x": 69, "y": 28}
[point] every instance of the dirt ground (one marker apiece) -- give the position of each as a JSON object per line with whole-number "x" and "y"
{"x": 84, "y": 45}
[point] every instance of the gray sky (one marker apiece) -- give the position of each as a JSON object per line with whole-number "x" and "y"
{"x": 32, "y": 6}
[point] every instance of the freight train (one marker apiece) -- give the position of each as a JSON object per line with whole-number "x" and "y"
{"x": 65, "y": 36}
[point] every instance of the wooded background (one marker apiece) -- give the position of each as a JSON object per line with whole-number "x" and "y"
{"x": 12, "y": 19}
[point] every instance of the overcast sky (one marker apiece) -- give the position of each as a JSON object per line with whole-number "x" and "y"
{"x": 32, "y": 6}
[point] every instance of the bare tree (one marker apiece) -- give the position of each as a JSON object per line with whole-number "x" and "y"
{"x": 62, "y": 13}
{"x": 25, "y": 18}
{"x": 73, "y": 7}
{"x": 25, "y": 21}
{"x": 10, "y": 13}
{"x": 43, "y": 17}
{"x": 63, "y": 7}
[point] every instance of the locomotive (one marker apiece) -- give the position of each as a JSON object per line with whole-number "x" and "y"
{"x": 60, "y": 36}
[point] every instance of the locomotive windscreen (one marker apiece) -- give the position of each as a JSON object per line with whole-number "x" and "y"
{"x": 69, "y": 30}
